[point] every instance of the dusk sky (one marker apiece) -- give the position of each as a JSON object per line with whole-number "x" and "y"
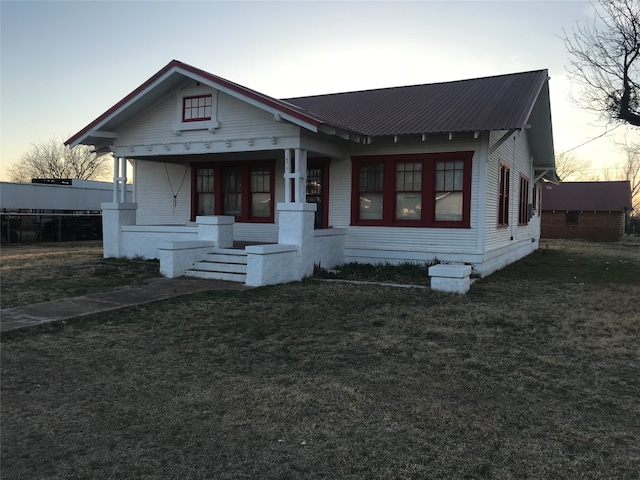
{"x": 65, "y": 63}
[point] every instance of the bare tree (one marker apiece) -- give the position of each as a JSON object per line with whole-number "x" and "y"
{"x": 631, "y": 170}
{"x": 52, "y": 159}
{"x": 605, "y": 60}
{"x": 571, "y": 168}
{"x": 628, "y": 169}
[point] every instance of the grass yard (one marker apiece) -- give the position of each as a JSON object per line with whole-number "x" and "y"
{"x": 50, "y": 271}
{"x": 533, "y": 374}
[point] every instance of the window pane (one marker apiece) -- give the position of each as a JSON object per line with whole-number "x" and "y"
{"x": 205, "y": 203}
{"x": 457, "y": 183}
{"x": 261, "y": 205}
{"x": 233, "y": 204}
{"x": 439, "y": 180}
{"x": 409, "y": 176}
{"x": 260, "y": 180}
{"x": 232, "y": 197}
{"x": 408, "y": 206}
{"x": 371, "y": 206}
{"x": 449, "y": 206}
{"x": 371, "y": 177}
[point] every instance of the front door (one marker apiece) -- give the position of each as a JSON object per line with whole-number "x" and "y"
{"x": 317, "y": 190}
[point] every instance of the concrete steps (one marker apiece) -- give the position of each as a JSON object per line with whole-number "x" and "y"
{"x": 222, "y": 264}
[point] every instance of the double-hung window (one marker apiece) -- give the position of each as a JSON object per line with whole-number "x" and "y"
{"x": 419, "y": 190}
{"x": 503, "y": 195}
{"x": 523, "y": 201}
{"x": 244, "y": 190}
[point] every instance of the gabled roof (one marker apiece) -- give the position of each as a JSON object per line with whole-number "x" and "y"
{"x": 171, "y": 77}
{"x": 588, "y": 196}
{"x": 501, "y": 102}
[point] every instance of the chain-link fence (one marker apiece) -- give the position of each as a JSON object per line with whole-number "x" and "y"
{"x": 22, "y": 226}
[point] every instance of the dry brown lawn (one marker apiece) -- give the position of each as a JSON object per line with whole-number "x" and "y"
{"x": 533, "y": 374}
{"x": 50, "y": 271}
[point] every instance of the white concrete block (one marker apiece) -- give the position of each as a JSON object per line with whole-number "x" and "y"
{"x": 450, "y": 270}
{"x": 451, "y": 285}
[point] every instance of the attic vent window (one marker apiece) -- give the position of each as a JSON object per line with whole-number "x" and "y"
{"x": 196, "y": 109}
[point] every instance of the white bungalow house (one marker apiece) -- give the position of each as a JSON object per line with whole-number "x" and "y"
{"x": 445, "y": 173}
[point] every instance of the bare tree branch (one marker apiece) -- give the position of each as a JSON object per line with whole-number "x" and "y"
{"x": 605, "y": 61}
{"x": 571, "y": 168}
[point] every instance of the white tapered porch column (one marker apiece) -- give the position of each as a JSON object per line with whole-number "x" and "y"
{"x": 117, "y": 213}
{"x": 295, "y": 215}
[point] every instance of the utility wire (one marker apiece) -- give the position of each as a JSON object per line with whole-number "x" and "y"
{"x": 591, "y": 140}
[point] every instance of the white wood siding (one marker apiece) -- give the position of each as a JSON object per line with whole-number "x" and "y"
{"x": 155, "y": 188}
{"x": 238, "y": 121}
{"x": 515, "y": 152}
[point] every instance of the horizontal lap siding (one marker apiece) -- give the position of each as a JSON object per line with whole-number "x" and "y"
{"x": 420, "y": 241}
{"x": 155, "y": 188}
{"x": 239, "y": 121}
{"x": 340, "y": 193}
{"x": 515, "y": 152}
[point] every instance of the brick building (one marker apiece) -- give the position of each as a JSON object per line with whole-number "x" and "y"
{"x": 586, "y": 210}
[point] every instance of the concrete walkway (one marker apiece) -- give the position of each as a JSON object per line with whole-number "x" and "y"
{"x": 18, "y": 318}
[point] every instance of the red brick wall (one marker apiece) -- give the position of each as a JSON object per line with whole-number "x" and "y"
{"x": 599, "y": 226}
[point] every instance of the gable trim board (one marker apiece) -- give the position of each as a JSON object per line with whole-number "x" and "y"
{"x": 484, "y": 121}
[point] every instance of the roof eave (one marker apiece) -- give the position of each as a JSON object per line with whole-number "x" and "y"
{"x": 175, "y": 67}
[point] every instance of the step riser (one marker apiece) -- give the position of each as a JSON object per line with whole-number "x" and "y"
{"x": 230, "y": 265}
{"x": 225, "y": 258}
{"x": 221, "y": 267}
{"x": 231, "y": 277}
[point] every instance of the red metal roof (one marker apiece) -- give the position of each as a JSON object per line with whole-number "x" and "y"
{"x": 588, "y": 196}
{"x": 491, "y": 103}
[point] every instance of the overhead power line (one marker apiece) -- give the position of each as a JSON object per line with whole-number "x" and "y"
{"x": 592, "y": 139}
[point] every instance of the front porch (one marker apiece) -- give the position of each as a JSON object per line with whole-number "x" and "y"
{"x": 207, "y": 248}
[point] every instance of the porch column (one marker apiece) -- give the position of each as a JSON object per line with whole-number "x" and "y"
{"x": 119, "y": 179}
{"x": 295, "y": 227}
{"x": 296, "y": 217}
{"x": 114, "y": 216}
{"x": 295, "y": 175}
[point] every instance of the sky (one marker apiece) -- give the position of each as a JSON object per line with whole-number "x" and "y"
{"x": 63, "y": 63}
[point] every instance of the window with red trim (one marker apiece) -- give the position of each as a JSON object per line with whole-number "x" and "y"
{"x": 197, "y": 108}
{"x": 205, "y": 196}
{"x": 414, "y": 190}
{"x": 503, "y": 195}
{"x": 523, "y": 201}
{"x": 243, "y": 190}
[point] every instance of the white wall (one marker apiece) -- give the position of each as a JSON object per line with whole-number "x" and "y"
{"x": 238, "y": 121}
{"x": 515, "y": 152}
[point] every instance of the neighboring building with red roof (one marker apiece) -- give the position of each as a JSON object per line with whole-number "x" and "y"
{"x": 447, "y": 173}
{"x": 586, "y": 210}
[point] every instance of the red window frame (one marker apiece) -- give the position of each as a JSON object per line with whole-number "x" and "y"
{"x": 523, "y": 201}
{"x": 189, "y": 100}
{"x": 429, "y": 161}
{"x": 244, "y": 168}
{"x": 504, "y": 181}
